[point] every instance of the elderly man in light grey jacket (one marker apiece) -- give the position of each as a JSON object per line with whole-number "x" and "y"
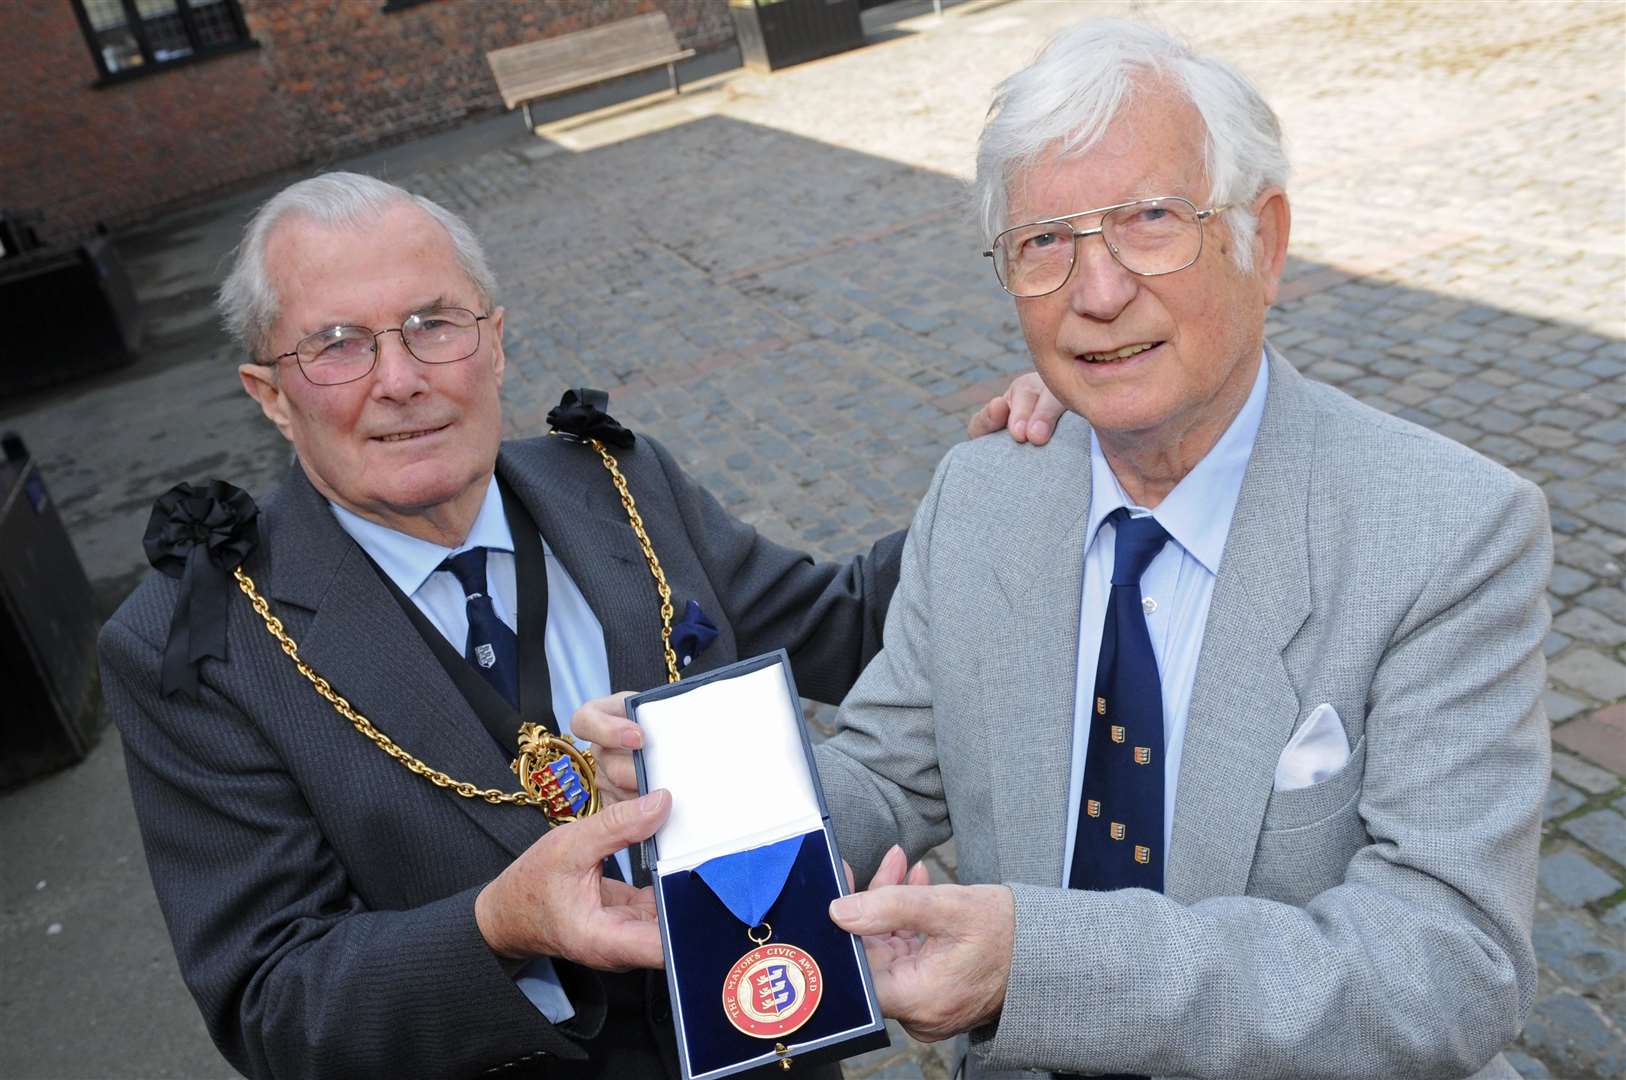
{"x": 1231, "y": 698}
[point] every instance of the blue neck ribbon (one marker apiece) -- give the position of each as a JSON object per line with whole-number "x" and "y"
{"x": 748, "y": 882}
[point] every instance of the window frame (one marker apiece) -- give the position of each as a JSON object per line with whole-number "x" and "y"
{"x": 150, "y": 65}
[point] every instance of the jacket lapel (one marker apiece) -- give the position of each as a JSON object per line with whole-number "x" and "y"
{"x": 575, "y": 505}
{"x": 1243, "y": 706}
{"x": 1030, "y": 673}
{"x": 361, "y": 641}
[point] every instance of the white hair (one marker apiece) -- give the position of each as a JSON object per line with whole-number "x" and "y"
{"x": 1085, "y": 76}
{"x": 247, "y": 302}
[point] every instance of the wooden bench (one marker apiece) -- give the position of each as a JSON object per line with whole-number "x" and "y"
{"x": 540, "y": 69}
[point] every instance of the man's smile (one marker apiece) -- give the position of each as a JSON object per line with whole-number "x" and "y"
{"x": 1116, "y": 355}
{"x": 403, "y": 436}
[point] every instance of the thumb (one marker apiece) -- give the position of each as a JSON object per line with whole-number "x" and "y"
{"x": 883, "y": 910}
{"x": 587, "y": 842}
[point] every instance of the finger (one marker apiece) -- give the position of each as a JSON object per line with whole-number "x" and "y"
{"x": 888, "y": 910}
{"x": 627, "y": 945}
{"x": 619, "y": 894}
{"x": 848, "y": 870}
{"x": 1023, "y": 395}
{"x": 603, "y": 721}
{"x": 890, "y": 872}
{"x": 919, "y": 875}
{"x": 582, "y": 845}
{"x": 616, "y": 768}
{"x": 1046, "y": 412}
{"x": 990, "y": 418}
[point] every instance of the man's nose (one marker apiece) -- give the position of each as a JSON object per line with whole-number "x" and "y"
{"x": 1100, "y": 287}
{"x": 396, "y": 372}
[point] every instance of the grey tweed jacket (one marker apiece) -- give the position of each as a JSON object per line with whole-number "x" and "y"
{"x": 1376, "y": 924}
{"x": 320, "y": 896}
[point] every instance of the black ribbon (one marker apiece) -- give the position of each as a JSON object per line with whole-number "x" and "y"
{"x": 580, "y": 414}
{"x": 199, "y": 535}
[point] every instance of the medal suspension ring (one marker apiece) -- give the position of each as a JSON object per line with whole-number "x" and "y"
{"x": 537, "y": 747}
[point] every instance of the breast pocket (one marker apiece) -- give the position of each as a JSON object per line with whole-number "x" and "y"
{"x": 1310, "y": 834}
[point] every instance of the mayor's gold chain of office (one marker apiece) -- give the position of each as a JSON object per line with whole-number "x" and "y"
{"x": 535, "y": 743}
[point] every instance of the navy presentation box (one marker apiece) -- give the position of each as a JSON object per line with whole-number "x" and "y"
{"x": 732, "y": 748}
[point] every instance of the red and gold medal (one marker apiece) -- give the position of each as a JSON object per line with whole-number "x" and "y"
{"x": 773, "y": 989}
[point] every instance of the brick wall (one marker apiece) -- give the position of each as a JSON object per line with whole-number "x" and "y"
{"x": 356, "y": 77}
{"x": 84, "y": 154}
{"x": 330, "y": 77}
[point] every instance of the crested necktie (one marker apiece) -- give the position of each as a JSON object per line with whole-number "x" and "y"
{"x": 1119, "y": 843}
{"x": 491, "y": 647}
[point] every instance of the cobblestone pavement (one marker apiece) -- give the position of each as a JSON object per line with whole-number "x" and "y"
{"x": 777, "y": 275}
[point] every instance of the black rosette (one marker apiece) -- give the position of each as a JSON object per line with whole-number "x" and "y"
{"x": 199, "y": 535}
{"x": 580, "y": 415}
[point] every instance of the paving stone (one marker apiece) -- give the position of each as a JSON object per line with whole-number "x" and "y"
{"x": 1604, "y": 831}
{"x": 1590, "y": 778}
{"x": 1572, "y": 1036}
{"x": 1616, "y": 916}
{"x": 1600, "y": 737}
{"x": 1573, "y": 879}
{"x": 1580, "y": 955}
{"x": 1589, "y": 558}
{"x": 1607, "y": 600}
{"x": 1586, "y": 624}
{"x": 1553, "y": 644}
{"x": 1560, "y": 707}
{"x": 1567, "y": 581}
{"x": 1528, "y": 1067}
{"x": 1561, "y": 799}
{"x": 1590, "y": 672}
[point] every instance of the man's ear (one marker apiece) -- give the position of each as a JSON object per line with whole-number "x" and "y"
{"x": 1275, "y": 218}
{"x": 260, "y": 382}
{"x": 498, "y": 359}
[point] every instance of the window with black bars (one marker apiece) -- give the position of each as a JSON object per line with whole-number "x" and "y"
{"x": 128, "y": 37}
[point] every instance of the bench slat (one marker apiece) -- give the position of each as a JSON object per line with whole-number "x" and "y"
{"x": 553, "y": 65}
{"x": 519, "y": 92}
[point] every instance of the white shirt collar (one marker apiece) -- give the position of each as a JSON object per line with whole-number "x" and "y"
{"x": 1197, "y": 513}
{"x": 407, "y": 560}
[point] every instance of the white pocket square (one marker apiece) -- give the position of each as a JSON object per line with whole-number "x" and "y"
{"x": 1317, "y": 749}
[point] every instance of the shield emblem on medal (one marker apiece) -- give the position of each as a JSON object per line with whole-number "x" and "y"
{"x": 772, "y": 990}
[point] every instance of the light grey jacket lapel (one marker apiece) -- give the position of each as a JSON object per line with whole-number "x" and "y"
{"x": 1243, "y": 706}
{"x": 1041, "y": 582}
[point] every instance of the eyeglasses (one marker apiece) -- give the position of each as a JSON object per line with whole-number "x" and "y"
{"x": 1149, "y": 237}
{"x": 342, "y": 354}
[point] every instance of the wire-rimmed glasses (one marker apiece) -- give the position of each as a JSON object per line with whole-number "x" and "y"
{"x": 342, "y": 354}
{"x": 1149, "y": 237}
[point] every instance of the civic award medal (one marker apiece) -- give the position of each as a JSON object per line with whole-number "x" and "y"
{"x": 775, "y": 987}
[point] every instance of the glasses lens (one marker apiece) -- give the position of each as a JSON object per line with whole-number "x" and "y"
{"x": 1154, "y": 236}
{"x": 338, "y": 354}
{"x": 442, "y": 335}
{"x": 1032, "y": 260}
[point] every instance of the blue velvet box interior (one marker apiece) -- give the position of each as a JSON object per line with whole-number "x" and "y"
{"x": 712, "y": 939}
{"x": 702, "y": 938}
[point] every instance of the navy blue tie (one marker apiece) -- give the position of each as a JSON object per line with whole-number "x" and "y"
{"x": 1119, "y": 844}
{"x": 492, "y": 648}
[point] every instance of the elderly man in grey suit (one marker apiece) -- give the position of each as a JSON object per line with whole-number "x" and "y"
{"x": 1230, "y": 698}
{"x": 345, "y": 907}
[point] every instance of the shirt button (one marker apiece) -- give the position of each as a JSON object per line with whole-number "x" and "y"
{"x": 1148, "y": 605}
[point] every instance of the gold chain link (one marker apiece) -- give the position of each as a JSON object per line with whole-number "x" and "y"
{"x": 637, "y": 521}
{"x": 384, "y": 742}
{"x": 360, "y": 722}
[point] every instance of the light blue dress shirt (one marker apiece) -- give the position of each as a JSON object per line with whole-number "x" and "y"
{"x": 1175, "y": 590}
{"x": 578, "y": 665}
